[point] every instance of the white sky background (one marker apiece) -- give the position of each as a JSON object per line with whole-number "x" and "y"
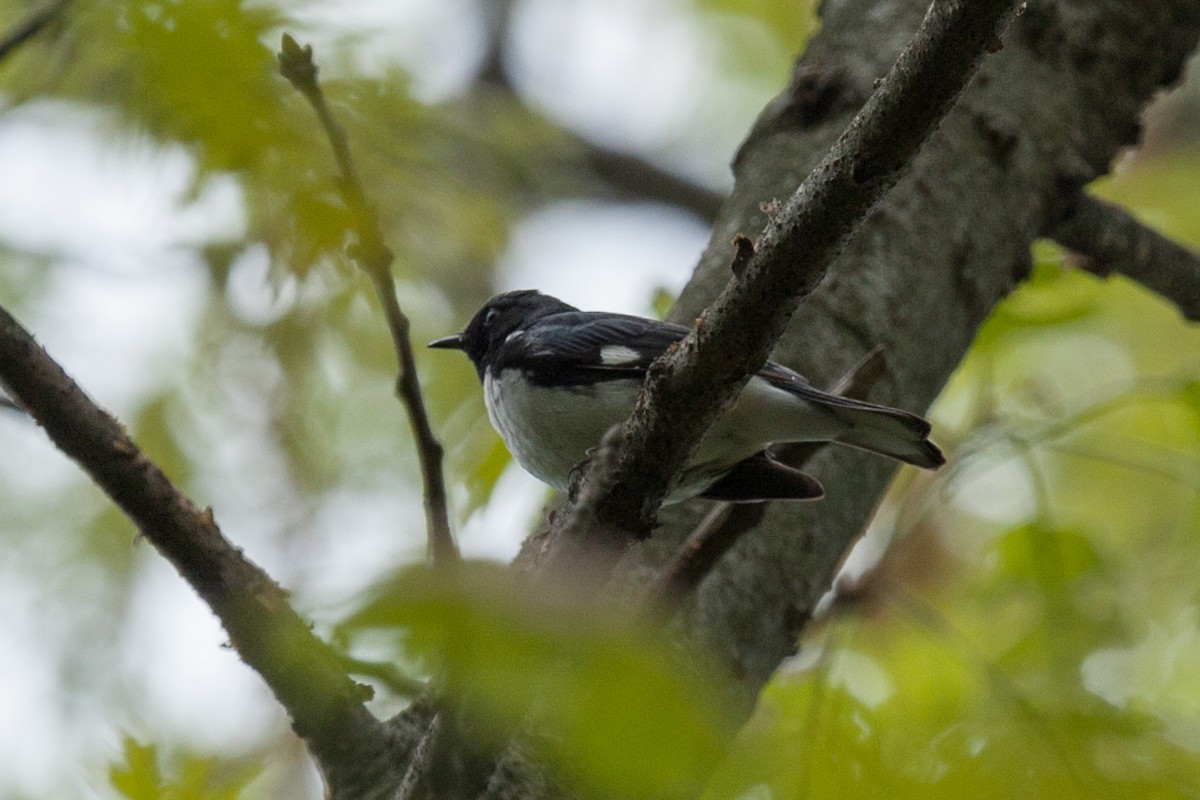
{"x": 631, "y": 73}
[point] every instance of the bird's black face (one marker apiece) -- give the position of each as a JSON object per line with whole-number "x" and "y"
{"x": 499, "y": 317}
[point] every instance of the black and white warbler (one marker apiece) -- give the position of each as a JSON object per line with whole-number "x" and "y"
{"x": 555, "y": 379}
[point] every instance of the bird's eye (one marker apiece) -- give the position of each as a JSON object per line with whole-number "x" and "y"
{"x": 489, "y": 317}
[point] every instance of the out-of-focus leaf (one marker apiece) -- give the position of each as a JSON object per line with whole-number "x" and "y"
{"x": 138, "y": 778}
{"x": 199, "y": 72}
{"x": 485, "y": 472}
{"x": 612, "y": 706}
{"x": 1158, "y": 675}
{"x": 1189, "y": 394}
{"x": 789, "y": 21}
{"x": 662, "y": 301}
{"x": 1052, "y": 295}
{"x": 947, "y": 725}
{"x": 1053, "y": 558}
{"x": 199, "y": 778}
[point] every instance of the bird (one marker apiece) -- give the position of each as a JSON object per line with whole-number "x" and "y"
{"x": 556, "y": 378}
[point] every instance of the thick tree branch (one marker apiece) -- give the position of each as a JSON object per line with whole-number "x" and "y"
{"x": 373, "y": 256}
{"x": 1110, "y": 239}
{"x": 687, "y": 389}
{"x": 326, "y": 707}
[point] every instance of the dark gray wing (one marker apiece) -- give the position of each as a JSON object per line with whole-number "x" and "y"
{"x": 584, "y": 347}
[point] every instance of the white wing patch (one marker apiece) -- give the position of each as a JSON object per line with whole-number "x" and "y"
{"x": 616, "y": 355}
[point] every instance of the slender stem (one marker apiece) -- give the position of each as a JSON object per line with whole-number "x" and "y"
{"x": 373, "y": 257}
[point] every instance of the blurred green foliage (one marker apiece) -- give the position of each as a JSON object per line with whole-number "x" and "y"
{"x": 195, "y": 777}
{"x": 1053, "y": 652}
{"x": 594, "y": 684}
{"x": 1033, "y": 631}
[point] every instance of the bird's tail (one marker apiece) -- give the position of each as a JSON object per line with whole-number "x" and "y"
{"x": 887, "y": 431}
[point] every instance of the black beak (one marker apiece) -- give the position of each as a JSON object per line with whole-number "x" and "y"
{"x": 454, "y": 341}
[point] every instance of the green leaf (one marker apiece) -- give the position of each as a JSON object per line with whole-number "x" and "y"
{"x": 199, "y": 777}
{"x": 614, "y": 709}
{"x": 138, "y": 778}
{"x": 1054, "y": 558}
{"x": 1051, "y": 296}
{"x": 485, "y": 471}
{"x": 199, "y": 72}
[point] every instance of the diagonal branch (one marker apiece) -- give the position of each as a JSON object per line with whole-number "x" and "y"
{"x": 31, "y": 26}
{"x": 687, "y": 388}
{"x": 1110, "y": 239}
{"x": 628, "y": 175}
{"x": 326, "y": 707}
{"x": 635, "y": 177}
{"x": 373, "y": 256}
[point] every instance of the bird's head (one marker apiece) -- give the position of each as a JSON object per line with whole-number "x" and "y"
{"x": 500, "y": 317}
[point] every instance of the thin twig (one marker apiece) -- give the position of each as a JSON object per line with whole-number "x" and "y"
{"x": 628, "y": 175}
{"x": 30, "y": 27}
{"x": 373, "y": 256}
{"x": 1110, "y": 239}
{"x": 716, "y": 534}
{"x": 725, "y": 524}
{"x": 632, "y": 176}
{"x": 326, "y": 707}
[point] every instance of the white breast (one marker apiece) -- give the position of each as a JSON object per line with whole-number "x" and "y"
{"x": 549, "y": 430}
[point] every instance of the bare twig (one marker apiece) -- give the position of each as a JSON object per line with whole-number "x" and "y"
{"x": 629, "y": 176}
{"x": 635, "y": 177}
{"x": 720, "y": 530}
{"x": 372, "y": 255}
{"x": 1110, "y": 239}
{"x": 687, "y": 388}
{"x": 31, "y": 26}
{"x": 725, "y": 524}
{"x": 326, "y": 707}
